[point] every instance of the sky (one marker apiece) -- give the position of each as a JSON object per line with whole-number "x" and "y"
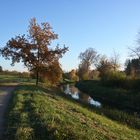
{"x": 105, "y": 25}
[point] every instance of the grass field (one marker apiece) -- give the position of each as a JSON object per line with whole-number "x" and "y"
{"x": 38, "y": 114}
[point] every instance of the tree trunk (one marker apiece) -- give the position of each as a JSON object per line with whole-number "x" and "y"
{"x": 37, "y": 72}
{"x": 37, "y": 78}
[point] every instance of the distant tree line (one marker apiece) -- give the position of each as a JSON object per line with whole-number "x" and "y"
{"x": 42, "y": 61}
{"x": 94, "y": 66}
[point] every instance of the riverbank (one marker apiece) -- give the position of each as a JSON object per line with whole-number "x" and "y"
{"x": 128, "y": 100}
{"x": 111, "y": 109}
{"x": 37, "y": 113}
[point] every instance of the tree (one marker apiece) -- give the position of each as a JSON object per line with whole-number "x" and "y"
{"x": 115, "y": 61}
{"x": 128, "y": 67}
{"x": 1, "y": 69}
{"x": 52, "y": 74}
{"x": 73, "y": 75}
{"x": 33, "y": 50}
{"x": 135, "y": 52}
{"x": 88, "y": 58}
{"x": 104, "y": 67}
{"x": 133, "y": 67}
{"x": 83, "y": 72}
{"x": 94, "y": 75}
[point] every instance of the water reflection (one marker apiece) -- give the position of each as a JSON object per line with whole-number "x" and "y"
{"x": 78, "y": 95}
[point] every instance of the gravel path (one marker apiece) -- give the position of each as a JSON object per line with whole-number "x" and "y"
{"x": 5, "y": 94}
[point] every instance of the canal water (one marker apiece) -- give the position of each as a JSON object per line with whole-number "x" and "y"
{"x": 76, "y": 94}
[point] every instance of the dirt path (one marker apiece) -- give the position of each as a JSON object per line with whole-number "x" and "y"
{"x": 5, "y": 94}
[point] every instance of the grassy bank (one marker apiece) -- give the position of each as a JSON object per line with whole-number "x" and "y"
{"x": 38, "y": 114}
{"x": 117, "y": 97}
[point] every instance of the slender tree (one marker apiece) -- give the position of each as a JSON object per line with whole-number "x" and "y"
{"x": 33, "y": 50}
{"x": 115, "y": 61}
{"x": 88, "y": 58}
{"x": 135, "y": 52}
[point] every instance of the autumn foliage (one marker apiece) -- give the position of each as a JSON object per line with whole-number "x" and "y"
{"x": 34, "y": 51}
{"x": 51, "y": 75}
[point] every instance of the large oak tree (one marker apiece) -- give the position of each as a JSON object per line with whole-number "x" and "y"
{"x": 34, "y": 49}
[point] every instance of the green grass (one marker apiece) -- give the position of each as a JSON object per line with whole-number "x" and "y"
{"x": 38, "y": 114}
{"x": 118, "y": 104}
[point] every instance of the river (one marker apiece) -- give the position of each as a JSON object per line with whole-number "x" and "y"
{"x": 76, "y": 94}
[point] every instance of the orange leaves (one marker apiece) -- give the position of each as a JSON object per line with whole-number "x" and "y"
{"x": 33, "y": 50}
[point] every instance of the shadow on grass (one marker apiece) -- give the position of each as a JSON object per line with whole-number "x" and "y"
{"x": 114, "y": 114}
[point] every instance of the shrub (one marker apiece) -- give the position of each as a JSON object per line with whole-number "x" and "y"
{"x": 132, "y": 84}
{"x": 112, "y": 78}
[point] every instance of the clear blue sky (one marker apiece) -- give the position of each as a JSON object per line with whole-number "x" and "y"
{"x": 102, "y": 24}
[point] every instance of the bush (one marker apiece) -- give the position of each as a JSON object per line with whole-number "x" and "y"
{"x": 120, "y": 80}
{"x": 113, "y": 79}
{"x": 132, "y": 84}
{"x": 85, "y": 76}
